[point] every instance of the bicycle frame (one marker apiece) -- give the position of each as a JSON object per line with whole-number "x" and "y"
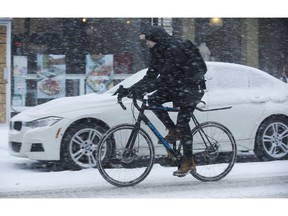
{"x": 132, "y": 154}
{"x": 142, "y": 117}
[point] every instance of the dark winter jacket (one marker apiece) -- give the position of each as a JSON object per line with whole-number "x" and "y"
{"x": 168, "y": 68}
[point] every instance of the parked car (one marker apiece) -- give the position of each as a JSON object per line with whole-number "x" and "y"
{"x": 68, "y": 129}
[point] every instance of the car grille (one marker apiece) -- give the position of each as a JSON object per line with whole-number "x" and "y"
{"x": 16, "y": 146}
{"x": 17, "y": 125}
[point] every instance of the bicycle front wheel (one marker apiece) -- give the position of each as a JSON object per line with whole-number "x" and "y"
{"x": 214, "y": 150}
{"x": 127, "y": 165}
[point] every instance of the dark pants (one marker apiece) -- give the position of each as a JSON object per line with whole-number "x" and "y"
{"x": 186, "y": 101}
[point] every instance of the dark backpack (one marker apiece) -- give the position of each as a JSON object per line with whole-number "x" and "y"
{"x": 196, "y": 66}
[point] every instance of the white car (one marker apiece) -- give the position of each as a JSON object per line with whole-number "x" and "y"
{"x": 68, "y": 129}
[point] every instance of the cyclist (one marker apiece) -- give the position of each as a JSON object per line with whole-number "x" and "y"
{"x": 167, "y": 73}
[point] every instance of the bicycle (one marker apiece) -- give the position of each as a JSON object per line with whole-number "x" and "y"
{"x": 125, "y": 154}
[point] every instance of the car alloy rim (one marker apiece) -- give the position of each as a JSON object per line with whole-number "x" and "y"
{"x": 275, "y": 139}
{"x": 83, "y": 147}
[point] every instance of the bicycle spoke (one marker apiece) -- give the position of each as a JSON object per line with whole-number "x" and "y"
{"x": 127, "y": 166}
{"x": 214, "y": 151}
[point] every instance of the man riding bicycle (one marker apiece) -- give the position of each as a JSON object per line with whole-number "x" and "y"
{"x": 171, "y": 75}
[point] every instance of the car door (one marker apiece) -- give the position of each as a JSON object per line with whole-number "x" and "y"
{"x": 228, "y": 85}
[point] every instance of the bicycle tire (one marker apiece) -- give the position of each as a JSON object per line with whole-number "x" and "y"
{"x": 132, "y": 169}
{"x": 213, "y": 165}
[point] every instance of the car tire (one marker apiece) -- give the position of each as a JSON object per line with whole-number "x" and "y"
{"x": 271, "y": 141}
{"x": 79, "y": 146}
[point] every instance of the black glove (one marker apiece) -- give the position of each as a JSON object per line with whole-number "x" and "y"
{"x": 137, "y": 92}
{"x": 122, "y": 92}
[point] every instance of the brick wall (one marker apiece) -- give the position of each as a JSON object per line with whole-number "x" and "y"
{"x": 2, "y": 81}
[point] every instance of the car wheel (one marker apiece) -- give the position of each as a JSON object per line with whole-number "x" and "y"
{"x": 79, "y": 146}
{"x": 272, "y": 139}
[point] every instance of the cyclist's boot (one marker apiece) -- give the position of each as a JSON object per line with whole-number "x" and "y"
{"x": 187, "y": 166}
{"x": 172, "y": 136}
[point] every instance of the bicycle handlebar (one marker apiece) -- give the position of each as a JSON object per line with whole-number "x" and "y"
{"x": 119, "y": 98}
{"x": 122, "y": 105}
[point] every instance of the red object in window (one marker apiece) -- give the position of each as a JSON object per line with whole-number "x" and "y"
{"x": 122, "y": 63}
{"x": 18, "y": 44}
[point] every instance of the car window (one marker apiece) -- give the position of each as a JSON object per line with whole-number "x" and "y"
{"x": 257, "y": 80}
{"x": 227, "y": 78}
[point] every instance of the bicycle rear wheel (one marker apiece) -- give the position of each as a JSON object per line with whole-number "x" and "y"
{"x": 126, "y": 166}
{"x": 215, "y": 159}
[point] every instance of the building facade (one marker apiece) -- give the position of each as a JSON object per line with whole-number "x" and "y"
{"x": 5, "y": 42}
{"x": 46, "y": 58}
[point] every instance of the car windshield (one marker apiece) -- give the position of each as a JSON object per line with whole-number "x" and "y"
{"x": 128, "y": 81}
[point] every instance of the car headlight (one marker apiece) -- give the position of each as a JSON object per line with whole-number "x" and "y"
{"x": 43, "y": 122}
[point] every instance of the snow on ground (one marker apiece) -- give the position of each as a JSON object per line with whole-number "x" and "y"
{"x": 22, "y": 176}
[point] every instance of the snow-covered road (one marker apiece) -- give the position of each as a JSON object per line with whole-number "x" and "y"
{"x": 23, "y": 178}
{"x": 163, "y": 193}
{"x": 246, "y": 180}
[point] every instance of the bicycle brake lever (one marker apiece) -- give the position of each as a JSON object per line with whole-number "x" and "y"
{"x": 118, "y": 90}
{"x": 121, "y": 104}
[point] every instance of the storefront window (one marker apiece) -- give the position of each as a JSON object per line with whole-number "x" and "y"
{"x": 60, "y": 57}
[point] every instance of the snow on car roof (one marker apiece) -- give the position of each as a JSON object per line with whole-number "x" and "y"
{"x": 260, "y": 79}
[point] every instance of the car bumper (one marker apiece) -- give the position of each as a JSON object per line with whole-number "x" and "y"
{"x": 36, "y": 144}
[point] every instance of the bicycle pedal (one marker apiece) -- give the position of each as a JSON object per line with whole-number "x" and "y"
{"x": 184, "y": 174}
{"x": 180, "y": 175}
{"x": 193, "y": 171}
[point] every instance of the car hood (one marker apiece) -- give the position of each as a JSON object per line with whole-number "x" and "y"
{"x": 64, "y": 106}
{"x": 71, "y": 106}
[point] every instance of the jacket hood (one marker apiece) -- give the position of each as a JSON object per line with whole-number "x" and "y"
{"x": 157, "y": 34}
